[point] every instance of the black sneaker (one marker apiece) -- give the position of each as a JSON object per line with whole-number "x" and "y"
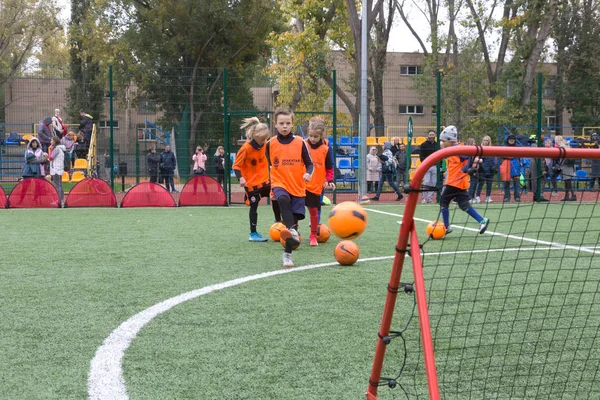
{"x": 375, "y": 198}
{"x": 400, "y": 197}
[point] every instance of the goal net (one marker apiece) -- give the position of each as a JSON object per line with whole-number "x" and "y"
{"x": 513, "y": 313}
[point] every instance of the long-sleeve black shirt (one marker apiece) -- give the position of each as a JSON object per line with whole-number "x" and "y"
{"x": 427, "y": 149}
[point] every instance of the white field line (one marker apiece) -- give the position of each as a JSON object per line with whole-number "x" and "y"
{"x": 105, "y": 380}
{"x": 488, "y": 232}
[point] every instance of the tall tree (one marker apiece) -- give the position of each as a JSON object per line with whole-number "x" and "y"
{"x": 538, "y": 23}
{"x": 176, "y": 50}
{"x": 562, "y": 33}
{"x": 583, "y": 72}
{"x": 334, "y": 29}
{"x": 86, "y": 91}
{"x": 24, "y": 27}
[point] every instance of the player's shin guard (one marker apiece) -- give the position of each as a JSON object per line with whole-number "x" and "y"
{"x": 446, "y": 217}
{"x": 314, "y": 219}
{"x": 473, "y": 213}
{"x": 253, "y": 216}
{"x": 286, "y": 211}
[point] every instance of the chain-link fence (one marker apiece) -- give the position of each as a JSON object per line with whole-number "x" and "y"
{"x": 203, "y": 108}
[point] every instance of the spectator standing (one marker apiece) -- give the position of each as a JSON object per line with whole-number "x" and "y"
{"x": 153, "y": 159}
{"x": 488, "y": 169}
{"x": 510, "y": 171}
{"x": 168, "y": 161}
{"x": 400, "y": 157}
{"x": 395, "y": 145}
{"x": 57, "y": 165}
{"x": 107, "y": 166}
{"x": 373, "y": 170}
{"x": 552, "y": 172}
{"x": 199, "y": 159}
{"x": 428, "y": 147}
{"x": 534, "y": 175}
{"x": 58, "y": 127}
{"x": 44, "y": 133}
{"x": 387, "y": 172}
{"x": 34, "y": 160}
{"x": 567, "y": 170}
{"x": 595, "y": 171}
{"x": 219, "y": 161}
{"x": 86, "y": 126}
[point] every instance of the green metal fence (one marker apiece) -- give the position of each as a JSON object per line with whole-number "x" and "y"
{"x": 204, "y": 107}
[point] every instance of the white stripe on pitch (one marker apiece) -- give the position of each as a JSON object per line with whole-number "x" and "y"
{"x": 105, "y": 380}
{"x": 521, "y": 238}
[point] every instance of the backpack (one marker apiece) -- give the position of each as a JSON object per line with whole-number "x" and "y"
{"x": 67, "y": 161}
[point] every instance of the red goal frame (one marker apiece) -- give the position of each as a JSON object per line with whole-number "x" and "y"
{"x": 408, "y": 231}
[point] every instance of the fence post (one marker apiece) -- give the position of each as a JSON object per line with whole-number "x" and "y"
{"x": 111, "y": 115}
{"x": 334, "y": 133}
{"x": 538, "y": 161}
{"x": 227, "y": 137}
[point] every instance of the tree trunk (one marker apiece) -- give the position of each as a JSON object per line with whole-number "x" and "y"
{"x": 510, "y": 12}
{"x": 486, "y": 55}
{"x": 539, "y": 35}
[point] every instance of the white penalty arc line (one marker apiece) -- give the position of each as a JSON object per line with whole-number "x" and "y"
{"x": 105, "y": 380}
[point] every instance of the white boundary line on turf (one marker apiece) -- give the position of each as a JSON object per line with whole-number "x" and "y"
{"x": 488, "y": 232}
{"x": 105, "y": 380}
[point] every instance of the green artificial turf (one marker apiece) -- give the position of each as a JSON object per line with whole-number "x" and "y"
{"x": 506, "y": 324}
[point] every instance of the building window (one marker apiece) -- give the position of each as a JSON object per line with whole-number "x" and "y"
{"x": 550, "y": 87}
{"x": 434, "y": 109}
{"x": 410, "y": 109}
{"x": 146, "y": 106}
{"x": 106, "y": 124}
{"x": 410, "y": 70}
{"x": 148, "y": 134}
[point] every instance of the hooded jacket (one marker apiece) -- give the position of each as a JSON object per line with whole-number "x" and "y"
{"x": 45, "y": 132}
{"x": 33, "y": 160}
{"x": 57, "y": 160}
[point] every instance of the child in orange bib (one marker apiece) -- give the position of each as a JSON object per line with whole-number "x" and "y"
{"x": 322, "y": 178}
{"x": 291, "y": 168}
{"x": 457, "y": 183}
{"x": 252, "y": 170}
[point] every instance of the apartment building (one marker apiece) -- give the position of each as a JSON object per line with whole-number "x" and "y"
{"x": 29, "y": 100}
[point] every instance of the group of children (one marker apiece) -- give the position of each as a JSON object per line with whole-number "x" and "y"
{"x": 293, "y": 172}
{"x": 290, "y": 170}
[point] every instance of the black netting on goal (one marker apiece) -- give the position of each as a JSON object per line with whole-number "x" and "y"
{"x": 514, "y": 312}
